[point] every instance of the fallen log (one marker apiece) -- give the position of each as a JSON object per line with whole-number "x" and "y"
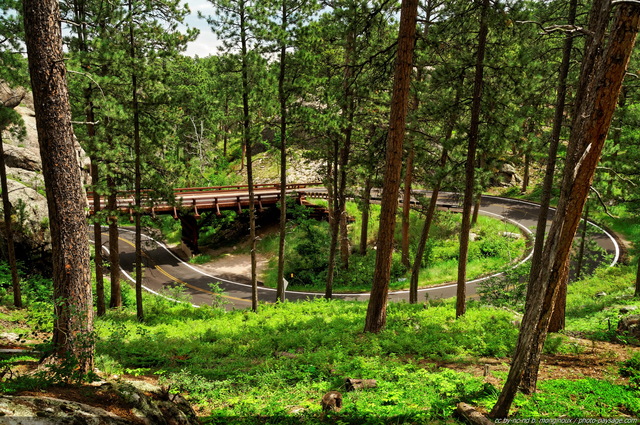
{"x": 471, "y": 415}
{"x": 359, "y": 384}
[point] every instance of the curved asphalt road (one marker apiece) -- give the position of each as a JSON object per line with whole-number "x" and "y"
{"x": 163, "y": 269}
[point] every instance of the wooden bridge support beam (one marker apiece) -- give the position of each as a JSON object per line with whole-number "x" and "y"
{"x": 190, "y": 232}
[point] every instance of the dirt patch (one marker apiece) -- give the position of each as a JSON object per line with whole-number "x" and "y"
{"x": 234, "y": 262}
{"x": 592, "y": 359}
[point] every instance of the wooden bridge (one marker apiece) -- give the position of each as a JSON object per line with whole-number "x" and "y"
{"x": 189, "y": 203}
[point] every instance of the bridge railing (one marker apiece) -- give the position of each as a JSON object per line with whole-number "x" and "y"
{"x": 213, "y": 197}
{"x": 290, "y": 186}
{"x": 183, "y": 190}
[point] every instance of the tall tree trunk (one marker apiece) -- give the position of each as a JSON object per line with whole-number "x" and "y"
{"x": 97, "y": 237}
{"x": 476, "y": 209}
{"x": 461, "y": 293}
{"x": 348, "y": 110}
{"x": 246, "y": 137}
{"x": 617, "y": 137}
{"x": 66, "y": 198}
{"x": 637, "y": 292}
{"x": 424, "y": 237}
{"x": 377, "y": 309}
{"x": 334, "y": 217}
{"x": 283, "y": 158}
{"x": 8, "y": 230}
{"x": 527, "y": 166}
{"x": 601, "y": 86}
{"x": 137, "y": 166}
{"x": 114, "y": 248}
{"x": 97, "y": 223}
{"x": 366, "y": 207}
{"x": 530, "y": 376}
{"x": 406, "y": 206}
{"x": 341, "y": 159}
{"x": 345, "y": 245}
{"x": 580, "y": 262}
{"x": 225, "y": 129}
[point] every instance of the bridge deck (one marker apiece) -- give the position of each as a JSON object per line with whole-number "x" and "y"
{"x": 201, "y": 199}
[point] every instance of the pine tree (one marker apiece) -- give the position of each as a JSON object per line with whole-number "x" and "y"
{"x": 376, "y": 311}
{"x": 73, "y": 318}
{"x": 603, "y": 70}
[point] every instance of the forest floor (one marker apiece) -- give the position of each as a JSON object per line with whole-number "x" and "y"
{"x": 592, "y": 359}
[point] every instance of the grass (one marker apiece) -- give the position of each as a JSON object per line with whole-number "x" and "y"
{"x": 274, "y": 366}
{"x": 308, "y": 246}
{"x": 247, "y": 365}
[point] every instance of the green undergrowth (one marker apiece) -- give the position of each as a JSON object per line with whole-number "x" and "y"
{"x": 597, "y": 303}
{"x": 282, "y": 360}
{"x": 495, "y": 247}
{"x": 274, "y": 366}
{"x": 582, "y": 398}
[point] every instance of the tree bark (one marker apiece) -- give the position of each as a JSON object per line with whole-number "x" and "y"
{"x": 583, "y": 240}
{"x": 424, "y": 237}
{"x": 601, "y": 85}
{"x": 530, "y": 377}
{"x": 97, "y": 225}
{"x": 137, "y": 167}
{"x": 461, "y": 293}
{"x": 377, "y": 309}
{"x": 527, "y": 166}
{"x": 334, "y": 217}
{"x": 66, "y": 199}
{"x": 366, "y": 207}
{"x": 97, "y": 237}
{"x": 246, "y": 137}
{"x": 345, "y": 151}
{"x": 406, "y": 206}
{"x": 280, "y": 292}
{"x": 637, "y": 292}
{"x": 115, "y": 300}
{"x": 341, "y": 159}
{"x": 8, "y": 230}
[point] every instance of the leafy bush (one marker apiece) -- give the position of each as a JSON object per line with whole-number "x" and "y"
{"x": 506, "y": 290}
{"x": 631, "y": 369}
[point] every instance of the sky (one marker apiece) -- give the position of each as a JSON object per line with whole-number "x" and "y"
{"x": 206, "y": 44}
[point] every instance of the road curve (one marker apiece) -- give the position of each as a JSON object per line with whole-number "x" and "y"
{"x": 164, "y": 269}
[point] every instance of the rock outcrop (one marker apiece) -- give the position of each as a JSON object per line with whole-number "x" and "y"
{"x": 25, "y": 179}
{"x": 506, "y": 176}
{"x": 630, "y": 327}
{"x": 110, "y": 403}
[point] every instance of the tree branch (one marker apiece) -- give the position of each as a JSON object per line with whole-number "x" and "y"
{"x": 606, "y": 211}
{"x": 89, "y": 77}
{"x": 564, "y": 28}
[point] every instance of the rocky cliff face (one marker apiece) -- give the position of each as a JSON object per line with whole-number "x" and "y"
{"x": 25, "y": 179}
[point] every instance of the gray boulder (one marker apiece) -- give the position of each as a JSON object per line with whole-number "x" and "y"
{"x": 11, "y": 97}
{"x": 506, "y": 176}
{"x": 151, "y": 406}
{"x": 23, "y": 158}
{"x": 630, "y": 327}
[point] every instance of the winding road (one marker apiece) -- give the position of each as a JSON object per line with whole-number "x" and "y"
{"x": 164, "y": 269}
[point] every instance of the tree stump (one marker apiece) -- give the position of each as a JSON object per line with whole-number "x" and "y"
{"x": 331, "y": 402}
